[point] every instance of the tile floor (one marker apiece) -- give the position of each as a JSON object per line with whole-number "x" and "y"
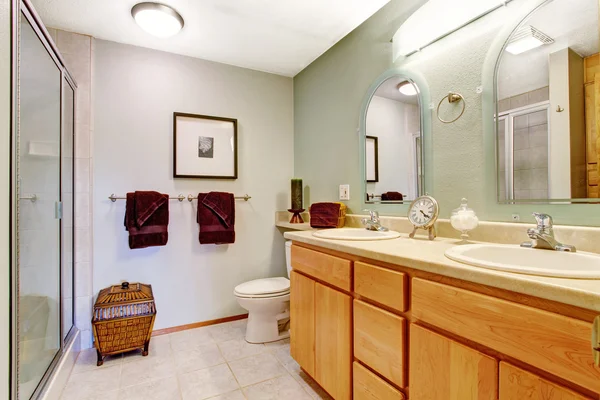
{"x": 213, "y": 362}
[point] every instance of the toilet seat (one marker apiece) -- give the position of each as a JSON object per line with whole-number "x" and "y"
{"x": 263, "y": 288}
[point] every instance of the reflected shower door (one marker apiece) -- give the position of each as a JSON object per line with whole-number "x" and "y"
{"x": 38, "y": 229}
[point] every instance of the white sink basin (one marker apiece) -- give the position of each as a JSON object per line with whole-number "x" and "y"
{"x": 355, "y": 234}
{"x": 513, "y": 258}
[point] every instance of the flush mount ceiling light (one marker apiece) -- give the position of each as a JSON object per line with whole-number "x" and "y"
{"x": 527, "y": 38}
{"x": 157, "y": 19}
{"x": 407, "y": 89}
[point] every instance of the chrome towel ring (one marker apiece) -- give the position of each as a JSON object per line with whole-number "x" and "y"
{"x": 452, "y": 97}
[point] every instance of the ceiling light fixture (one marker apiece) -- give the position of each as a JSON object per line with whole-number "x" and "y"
{"x": 527, "y": 38}
{"x": 157, "y": 19}
{"x": 408, "y": 88}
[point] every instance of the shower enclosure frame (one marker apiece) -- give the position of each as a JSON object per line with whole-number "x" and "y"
{"x": 25, "y": 8}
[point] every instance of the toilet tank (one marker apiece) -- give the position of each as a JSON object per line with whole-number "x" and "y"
{"x": 288, "y": 256}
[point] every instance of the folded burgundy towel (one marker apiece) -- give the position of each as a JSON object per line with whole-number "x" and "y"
{"x": 216, "y": 216}
{"x": 392, "y": 196}
{"x": 147, "y": 219}
{"x": 324, "y": 215}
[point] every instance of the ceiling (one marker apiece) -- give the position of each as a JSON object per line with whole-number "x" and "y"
{"x": 389, "y": 90}
{"x": 277, "y": 36}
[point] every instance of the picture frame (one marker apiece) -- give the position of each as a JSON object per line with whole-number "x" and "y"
{"x": 372, "y": 159}
{"x": 204, "y": 146}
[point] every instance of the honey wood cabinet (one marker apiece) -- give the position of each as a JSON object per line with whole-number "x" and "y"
{"x": 518, "y": 384}
{"x": 321, "y": 334}
{"x": 442, "y": 369}
{"x": 372, "y": 332}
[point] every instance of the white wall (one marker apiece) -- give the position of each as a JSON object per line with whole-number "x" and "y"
{"x": 5, "y": 57}
{"x": 391, "y": 122}
{"x": 136, "y": 91}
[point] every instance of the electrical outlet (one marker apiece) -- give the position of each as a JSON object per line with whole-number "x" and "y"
{"x": 516, "y": 217}
{"x": 344, "y": 192}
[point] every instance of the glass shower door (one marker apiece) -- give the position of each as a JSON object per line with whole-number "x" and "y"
{"x": 38, "y": 227}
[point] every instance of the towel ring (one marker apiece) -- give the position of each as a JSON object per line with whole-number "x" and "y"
{"x": 452, "y": 97}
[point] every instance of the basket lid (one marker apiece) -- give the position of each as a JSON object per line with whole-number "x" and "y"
{"x": 125, "y": 293}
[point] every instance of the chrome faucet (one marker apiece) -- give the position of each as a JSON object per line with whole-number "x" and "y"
{"x": 372, "y": 223}
{"x": 542, "y": 237}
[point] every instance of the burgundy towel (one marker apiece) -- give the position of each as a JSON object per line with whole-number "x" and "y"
{"x": 392, "y": 196}
{"x": 216, "y": 216}
{"x": 147, "y": 219}
{"x": 324, "y": 215}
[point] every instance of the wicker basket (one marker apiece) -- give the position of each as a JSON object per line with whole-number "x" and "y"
{"x": 123, "y": 319}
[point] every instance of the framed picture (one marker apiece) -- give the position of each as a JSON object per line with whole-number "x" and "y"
{"x": 372, "y": 159}
{"x": 204, "y": 147}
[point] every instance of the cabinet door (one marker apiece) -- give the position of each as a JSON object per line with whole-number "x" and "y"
{"x": 379, "y": 338}
{"x": 517, "y": 384}
{"x": 334, "y": 342}
{"x": 302, "y": 321}
{"x": 441, "y": 369}
{"x": 368, "y": 386}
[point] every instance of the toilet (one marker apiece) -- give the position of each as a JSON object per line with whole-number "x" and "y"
{"x": 268, "y": 303}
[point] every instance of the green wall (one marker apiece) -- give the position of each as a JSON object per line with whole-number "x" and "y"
{"x": 327, "y": 106}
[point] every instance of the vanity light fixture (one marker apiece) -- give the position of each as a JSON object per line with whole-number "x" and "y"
{"x": 157, "y": 19}
{"x": 408, "y": 89}
{"x": 527, "y": 38}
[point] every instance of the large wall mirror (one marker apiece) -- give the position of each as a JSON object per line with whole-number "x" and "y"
{"x": 548, "y": 105}
{"x": 393, "y": 142}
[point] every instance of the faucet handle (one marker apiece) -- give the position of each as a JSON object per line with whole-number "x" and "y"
{"x": 374, "y": 214}
{"x": 544, "y": 221}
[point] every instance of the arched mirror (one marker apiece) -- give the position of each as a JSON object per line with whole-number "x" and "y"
{"x": 547, "y": 106}
{"x": 393, "y": 142}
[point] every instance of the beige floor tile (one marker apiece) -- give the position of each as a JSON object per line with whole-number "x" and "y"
{"x": 206, "y": 383}
{"x": 161, "y": 389}
{"x": 284, "y": 387}
{"x": 256, "y": 369}
{"x": 312, "y": 388}
{"x": 272, "y": 346}
{"x": 86, "y": 361}
{"x": 238, "y": 348}
{"x": 146, "y": 370}
{"x": 201, "y": 357}
{"x": 189, "y": 339}
{"x": 237, "y": 395}
{"x": 87, "y": 385}
{"x": 282, "y": 353}
{"x": 228, "y": 330}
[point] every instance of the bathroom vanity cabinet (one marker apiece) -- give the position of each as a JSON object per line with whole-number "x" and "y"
{"x": 369, "y": 330}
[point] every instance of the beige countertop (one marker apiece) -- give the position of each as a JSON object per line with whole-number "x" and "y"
{"x": 422, "y": 254}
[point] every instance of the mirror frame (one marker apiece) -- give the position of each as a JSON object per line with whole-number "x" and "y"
{"x": 501, "y": 42}
{"x": 399, "y": 207}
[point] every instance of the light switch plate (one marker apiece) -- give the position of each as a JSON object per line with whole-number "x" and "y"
{"x": 344, "y": 192}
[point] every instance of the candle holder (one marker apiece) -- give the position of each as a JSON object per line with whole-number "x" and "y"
{"x": 297, "y": 217}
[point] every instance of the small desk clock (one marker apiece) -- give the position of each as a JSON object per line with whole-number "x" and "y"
{"x": 422, "y": 213}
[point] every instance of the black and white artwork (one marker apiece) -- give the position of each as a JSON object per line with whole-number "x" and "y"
{"x": 205, "y": 147}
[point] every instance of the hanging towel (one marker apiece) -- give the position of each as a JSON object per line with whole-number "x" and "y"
{"x": 216, "y": 216}
{"x": 147, "y": 219}
{"x": 324, "y": 215}
{"x": 392, "y": 196}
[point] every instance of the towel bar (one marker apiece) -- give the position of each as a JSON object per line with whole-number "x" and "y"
{"x": 181, "y": 197}
{"x": 244, "y": 197}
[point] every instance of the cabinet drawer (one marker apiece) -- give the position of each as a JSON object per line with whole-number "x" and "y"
{"x": 554, "y": 343}
{"x": 516, "y": 384}
{"x": 368, "y": 386}
{"x": 333, "y": 270}
{"x": 379, "y": 340}
{"x": 593, "y": 174}
{"x": 381, "y": 285}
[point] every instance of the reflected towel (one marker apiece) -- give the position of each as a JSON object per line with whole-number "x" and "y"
{"x": 392, "y": 196}
{"x": 216, "y": 216}
{"x": 147, "y": 219}
{"x": 324, "y": 215}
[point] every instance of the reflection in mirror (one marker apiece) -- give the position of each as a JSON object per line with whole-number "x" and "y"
{"x": 393, "y": 169}
{"x": 548, "y": 96}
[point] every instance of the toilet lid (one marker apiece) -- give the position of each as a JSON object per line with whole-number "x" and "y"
{"x": 267, "y": 286}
